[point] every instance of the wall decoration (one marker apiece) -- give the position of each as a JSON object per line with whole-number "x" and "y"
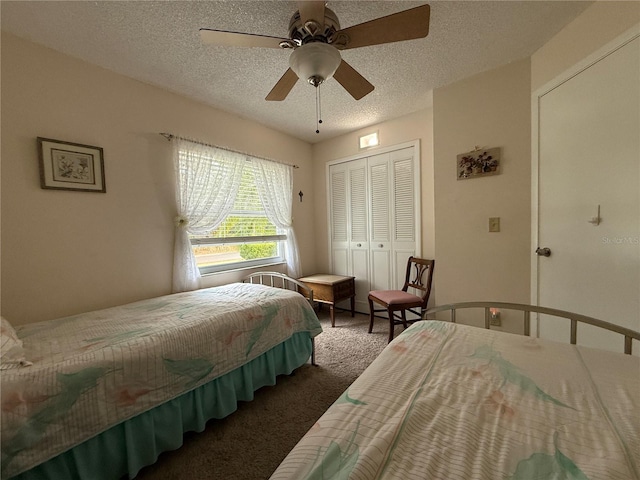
{"x": 478, "y": 163}
{"x": 70, "y": 166}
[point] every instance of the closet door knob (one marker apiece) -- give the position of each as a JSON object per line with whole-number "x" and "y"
{"x": 380, "y": 245}
{"x": 359, "y": 245}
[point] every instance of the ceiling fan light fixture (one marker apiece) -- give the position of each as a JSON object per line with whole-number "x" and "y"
{"x": 315, "y": 62}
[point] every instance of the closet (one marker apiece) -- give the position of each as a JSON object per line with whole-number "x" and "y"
{"x": 374, "y": 217}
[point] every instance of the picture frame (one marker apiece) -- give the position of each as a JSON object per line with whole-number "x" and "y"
{"x": 478, "y": 163}
{"x": 71, "y": 166}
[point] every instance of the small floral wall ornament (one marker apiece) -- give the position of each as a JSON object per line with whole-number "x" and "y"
{"x": 478, "y": 163}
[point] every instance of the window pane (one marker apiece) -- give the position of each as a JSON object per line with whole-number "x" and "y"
{"x": 244, "y": 226}
{"x": 214, "y": 255}
{"x": 247, "y": 219}
{"x": 248, "y": 199}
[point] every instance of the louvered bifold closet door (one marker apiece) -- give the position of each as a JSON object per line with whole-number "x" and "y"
{"x": 405, "y": 185}
{"x": 374, "y": 215}
{"x": 359, "y": 243}
{"x": 338, "y": 211}
{"x": 381, "y": 244}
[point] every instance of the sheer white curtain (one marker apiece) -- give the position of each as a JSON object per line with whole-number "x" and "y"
{"x": 274, "y": 182}
{"x": 207, "y": 181}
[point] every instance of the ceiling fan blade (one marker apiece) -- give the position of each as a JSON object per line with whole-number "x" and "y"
{"x": 238, "y": 39}
{"x": 352, "y": 81}
{"x": 312, "y": 10}
{"x": 407, "y": 25}
{"x": 283, "y": 87}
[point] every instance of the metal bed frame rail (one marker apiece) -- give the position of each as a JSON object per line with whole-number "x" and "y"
{"x": 280, "y": 280}
{"x": 629, "y": 335}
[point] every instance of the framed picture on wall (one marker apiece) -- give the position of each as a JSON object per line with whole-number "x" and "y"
{"x": 71, "y": 166}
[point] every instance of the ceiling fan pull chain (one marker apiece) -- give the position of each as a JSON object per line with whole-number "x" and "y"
{"x": 319, "y": 106}
{"x": 318, "y": 110}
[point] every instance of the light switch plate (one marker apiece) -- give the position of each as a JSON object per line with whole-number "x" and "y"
{"x": 494, "y": 224}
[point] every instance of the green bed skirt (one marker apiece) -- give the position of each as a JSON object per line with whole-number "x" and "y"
{"x": 124, "y": 449}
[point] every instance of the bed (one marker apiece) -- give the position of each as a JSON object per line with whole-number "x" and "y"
{"x": 116, "y": 387}
{"x": 451, "y": 401}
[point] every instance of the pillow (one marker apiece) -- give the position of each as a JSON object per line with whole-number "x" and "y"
{"x": 11, "y": 351}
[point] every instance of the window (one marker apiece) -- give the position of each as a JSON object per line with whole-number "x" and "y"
{"x": 245, "y": 238}
{"x": 233, "y": 211}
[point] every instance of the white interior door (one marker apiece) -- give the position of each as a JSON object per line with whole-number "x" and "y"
{"x": 339, "y": 218}
{"x": 379, "y": 181}
{"x": 359, "y": 232}
{"x": 589, "y": 159}
{"x": 406, "y": 224}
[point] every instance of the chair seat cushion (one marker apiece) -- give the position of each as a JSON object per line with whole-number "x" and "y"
{"x": 396, "y": 297}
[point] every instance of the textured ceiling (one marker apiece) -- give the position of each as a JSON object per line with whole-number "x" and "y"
{"x": 158, "y": 42}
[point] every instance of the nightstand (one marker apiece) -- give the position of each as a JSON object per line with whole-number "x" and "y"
{"x": 331, "y": 289}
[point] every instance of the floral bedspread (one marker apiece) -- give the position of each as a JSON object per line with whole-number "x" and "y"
{"x": 447, "y": 401}
{"x": 95, "y": 370}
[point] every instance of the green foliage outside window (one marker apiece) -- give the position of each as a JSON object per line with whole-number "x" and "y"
{"x": 258, "y": 250}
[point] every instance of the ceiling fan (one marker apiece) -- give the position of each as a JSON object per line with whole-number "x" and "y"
{"x": 316, "y": 39}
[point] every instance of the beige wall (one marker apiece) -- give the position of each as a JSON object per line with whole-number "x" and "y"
{"x": 68, "y": 252}
{"x": 491, "y": 109}
{"x": 599, "y": 24}
{"x": 415, "y": 126}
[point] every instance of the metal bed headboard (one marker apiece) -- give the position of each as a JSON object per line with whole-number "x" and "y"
{"x": 629, "y": 335}
{"x": 280, "y": 280}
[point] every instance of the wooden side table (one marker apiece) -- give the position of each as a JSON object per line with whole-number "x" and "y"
{"x": 331, "y": 289}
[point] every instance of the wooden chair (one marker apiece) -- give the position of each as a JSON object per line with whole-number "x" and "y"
{"x": 419, "y": 276}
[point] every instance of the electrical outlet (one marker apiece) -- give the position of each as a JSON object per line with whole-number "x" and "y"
{"x": 494, "y": 224}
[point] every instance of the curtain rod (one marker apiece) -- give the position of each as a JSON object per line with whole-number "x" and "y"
{"x": 170, "y": 136}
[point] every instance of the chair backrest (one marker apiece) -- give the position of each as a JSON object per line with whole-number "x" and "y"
{"x": 419, "y": 276}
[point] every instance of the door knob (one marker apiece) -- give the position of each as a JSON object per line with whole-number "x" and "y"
{"x": 543, "y": 252}
{"x": 380, "y": 245}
